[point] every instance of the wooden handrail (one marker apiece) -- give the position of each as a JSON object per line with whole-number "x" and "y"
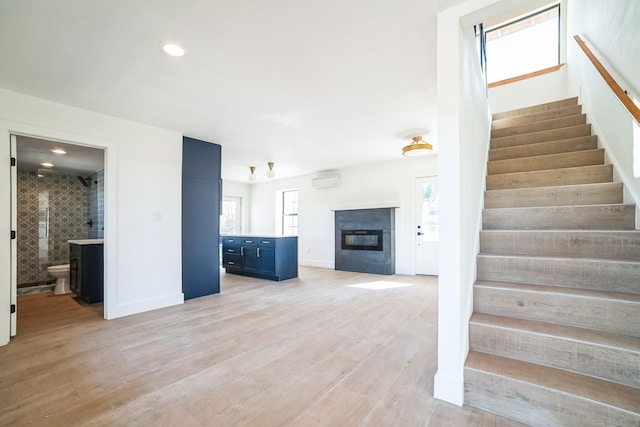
{"x": 628, "y": 103}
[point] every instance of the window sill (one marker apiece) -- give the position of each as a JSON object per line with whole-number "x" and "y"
{"x": 525, "y": 76}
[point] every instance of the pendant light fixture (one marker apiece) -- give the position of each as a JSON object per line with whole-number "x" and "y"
{"x": 270, "y": 173}
{"x": 252, "y": 176}
{"x": 418, "y": 147}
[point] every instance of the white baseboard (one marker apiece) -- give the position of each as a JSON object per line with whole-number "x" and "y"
{"x": 316, "y": 263}
{"x": 448, "y": 389}
{"x": 144, "y": 305}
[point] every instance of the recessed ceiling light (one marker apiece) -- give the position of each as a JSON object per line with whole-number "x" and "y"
{"x": 58, "y": 151}
{"x": 47, "y": 164}
{"x": 173, "y": 49}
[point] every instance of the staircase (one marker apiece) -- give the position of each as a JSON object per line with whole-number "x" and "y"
{"x": 555, "y": 333}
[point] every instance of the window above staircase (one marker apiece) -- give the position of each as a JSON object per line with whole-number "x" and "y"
{"x": 524, "y": 46}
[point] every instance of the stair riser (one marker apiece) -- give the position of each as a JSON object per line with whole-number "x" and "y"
{"x": 545, "y": 136}
{"x": 553, "y": 161}
{"x": 562, "y": 243}
{"x": 596, "y": 217}
{"x": 556, "y": 105}
{"x": 610, "y": 363}
{"x": 583, "y": 175}
{"x": 538, "y": 117}
{"x": 617, "y": 316}
{"x": 558, "y": 123}
{"x": 538, "y": 406}
{"x": 577, "y": 273}
{"x": 609, "y": 193}
{"x": 545, "y": 148}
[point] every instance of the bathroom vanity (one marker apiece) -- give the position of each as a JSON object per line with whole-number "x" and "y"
{"x": 86, "y": 269}
{"x": 266, "y": 257}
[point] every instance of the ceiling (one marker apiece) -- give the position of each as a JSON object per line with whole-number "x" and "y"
{"x": 308, "y": 85}
{"x": 77, "y": 160}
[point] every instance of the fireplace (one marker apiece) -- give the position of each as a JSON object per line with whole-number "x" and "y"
{"x": 362, "y": 240}
{"x": 365, "y": 240}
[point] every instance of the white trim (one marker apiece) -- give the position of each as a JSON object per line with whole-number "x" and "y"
{"x": 448, "y": 389}
{"x": 315, "y": 263}
{"x": 110, "y": 186}
{"x": 14, "y": 242}
{"x": 145, "y": 305}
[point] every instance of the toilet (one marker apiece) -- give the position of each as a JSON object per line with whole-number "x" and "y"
{"x": 61, "y": 274}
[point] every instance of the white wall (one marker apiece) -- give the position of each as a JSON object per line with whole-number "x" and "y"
{"x": 381, "y": 185}
{"x": 142, "y": 180}
{"x": 536, "y": 90}
{"x": 463, "y": 129}
{"x": 593, "y": 20}
{"x": 242, "y": 190}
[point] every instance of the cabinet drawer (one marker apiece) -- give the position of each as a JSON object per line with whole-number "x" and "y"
{"x": 231, "y": 241}
{"x": 231, "y": 250}
{"x": 251, "y": 241}
{"x": 231, "y": 261}
{"x": 267, "y": 242}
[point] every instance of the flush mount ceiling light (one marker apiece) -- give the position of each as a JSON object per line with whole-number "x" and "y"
{"x": 270, "y": 173}
{"x": 417, "y": 147}
{"x": 252, "y": 176}
{"x": 58, "y": 151}
{"x": 47, "y": 164}
{"x": 173, "y": 49}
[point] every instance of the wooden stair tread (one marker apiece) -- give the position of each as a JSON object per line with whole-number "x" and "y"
{"x": 537, "y": 117}
{"x": 614, "y": 244}
{"x": 541, "y": 136}
{"x": 611, "y": 205}
{"x": 556, "y": 187}
{"x": 573, "y": 194}
{"x": 548, "y": 156}
{"x": 564, "y": 176}
{"x": 578, "y": 292}
{"x": 565, "y": 332}
{"x": 564, "y": 257}
{"x": 547, "y": 106}
{"x": 549, "y": 124}
{"x": 606, "y": 392}
{"x": 547, "y": 147}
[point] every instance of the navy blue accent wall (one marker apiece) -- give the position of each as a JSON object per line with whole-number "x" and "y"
{"x": 201, "y": 200}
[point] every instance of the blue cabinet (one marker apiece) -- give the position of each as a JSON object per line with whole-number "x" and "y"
{"x": 201, "y": 202}
{"x": 86, "y": 271}
{"x": 273, "y": 258}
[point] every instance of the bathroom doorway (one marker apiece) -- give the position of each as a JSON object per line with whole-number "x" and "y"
{"x": 58, "y": 195}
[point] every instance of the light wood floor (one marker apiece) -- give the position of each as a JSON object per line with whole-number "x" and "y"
{"x": 305, "y": 352}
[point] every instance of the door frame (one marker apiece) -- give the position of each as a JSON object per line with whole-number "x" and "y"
{"x": 110, "y": 148}
{"x": 414, "y": 216}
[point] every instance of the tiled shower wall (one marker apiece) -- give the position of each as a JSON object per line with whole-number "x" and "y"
{"x": 51, "y": 210}
{"x": 96, "y": 205}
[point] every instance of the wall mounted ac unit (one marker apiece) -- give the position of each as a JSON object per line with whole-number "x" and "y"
{"x": 326, "y": 181}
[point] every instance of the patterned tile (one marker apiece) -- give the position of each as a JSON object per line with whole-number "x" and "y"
{"x": 51, "y": 210}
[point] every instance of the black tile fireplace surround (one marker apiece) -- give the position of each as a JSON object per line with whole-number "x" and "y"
{"x": 365, "y": 240}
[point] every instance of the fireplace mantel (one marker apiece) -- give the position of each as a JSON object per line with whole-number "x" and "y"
{"x": 380, "y": 205}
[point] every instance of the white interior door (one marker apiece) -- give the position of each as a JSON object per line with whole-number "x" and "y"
{"x": 427, "y": 225}
{"x": 14, "y": 242}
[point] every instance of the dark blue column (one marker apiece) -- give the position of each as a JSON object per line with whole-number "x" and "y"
{"x": 201, "y": 201}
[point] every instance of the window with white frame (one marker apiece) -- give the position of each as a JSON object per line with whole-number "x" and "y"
{"x": 290, "y": 213}
{"x": 231, "y": 218}
{"x": 523, "y": 45}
